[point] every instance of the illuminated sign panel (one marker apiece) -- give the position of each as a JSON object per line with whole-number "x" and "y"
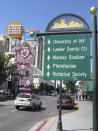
{"x": 25, "y": 52}
{"x": 30, "y": 35}
{"x": 15, "y": 30}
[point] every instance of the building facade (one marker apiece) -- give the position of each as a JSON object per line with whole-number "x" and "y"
{"x": 4, "y": 47}
{"x": 4, "y": 43}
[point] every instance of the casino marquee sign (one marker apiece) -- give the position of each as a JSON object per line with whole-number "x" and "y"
{"x": 15, "y": 30}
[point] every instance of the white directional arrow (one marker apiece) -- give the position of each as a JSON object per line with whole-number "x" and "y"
{"x": 48, "y": 57}
{"x": 48, "y": 74}
{"x": 48, "y": 66}
{"x": 49, "y": 49}
{"x": 49, "y": 42}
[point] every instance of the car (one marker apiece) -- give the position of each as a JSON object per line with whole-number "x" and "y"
{"x": 28, "y": 100}
{"x": 66, "y": 101}
{"x": 53, "y": 93}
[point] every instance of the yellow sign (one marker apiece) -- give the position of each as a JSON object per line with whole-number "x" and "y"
{"x": 15, "y": 30}
{"x": 64, "y": 25}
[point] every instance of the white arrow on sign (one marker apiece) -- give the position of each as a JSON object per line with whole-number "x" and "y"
{"x": 49, "y": 41}
{"x": 48, "y": 66}
{"x": 48, "y": 74}
{"x": 49, "y": 49}
{"x": 48, "y": 58}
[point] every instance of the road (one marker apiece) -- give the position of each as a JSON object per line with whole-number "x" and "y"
{"x": 22, "y": 120}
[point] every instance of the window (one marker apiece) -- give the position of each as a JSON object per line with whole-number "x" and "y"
{"x": 23, "y": 96}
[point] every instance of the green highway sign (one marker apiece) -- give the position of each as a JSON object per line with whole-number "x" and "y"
{"x": 67, "y": 57}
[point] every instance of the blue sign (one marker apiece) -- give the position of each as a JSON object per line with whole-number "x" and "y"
{"x": 24, "y": 88}
{"x": 30, "y": 35}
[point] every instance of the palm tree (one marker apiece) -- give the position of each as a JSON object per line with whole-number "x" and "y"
{"x": 6, "y": 66}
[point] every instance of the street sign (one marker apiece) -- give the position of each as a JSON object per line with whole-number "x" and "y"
{"x": 67, "y": 57}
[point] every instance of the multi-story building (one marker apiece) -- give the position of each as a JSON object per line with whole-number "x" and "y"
{"x": 4, "y": 43}
{"x": 4, "y": 47}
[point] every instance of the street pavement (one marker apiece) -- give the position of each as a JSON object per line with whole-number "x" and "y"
{"x": 79, "y": 120}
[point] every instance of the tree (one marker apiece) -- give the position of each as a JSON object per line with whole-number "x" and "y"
{"x": 71, "y": 87}
{"x": 6, "y": 66}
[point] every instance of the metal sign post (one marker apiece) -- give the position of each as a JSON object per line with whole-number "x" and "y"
{"x": 59, "y": 123}
{"x": 95, "y": 66}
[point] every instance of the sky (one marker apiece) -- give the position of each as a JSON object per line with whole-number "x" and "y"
{"x": 36, "y": 14}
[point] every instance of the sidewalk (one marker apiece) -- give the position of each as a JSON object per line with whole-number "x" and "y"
{"x": 80, "y": 120}
{"x": 6, "y": 102}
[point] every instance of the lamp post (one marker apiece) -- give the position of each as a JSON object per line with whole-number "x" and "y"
{"x": 93, "y": 11}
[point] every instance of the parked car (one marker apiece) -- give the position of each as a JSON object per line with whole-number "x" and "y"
{"x": 66, "y": 101}
{"x": 27, "y": 100}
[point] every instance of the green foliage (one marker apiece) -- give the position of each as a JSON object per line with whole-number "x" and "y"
{"x": 71, "y": 86}
{"x": 45, "y": 87}
{"x": 6, "y": 67}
